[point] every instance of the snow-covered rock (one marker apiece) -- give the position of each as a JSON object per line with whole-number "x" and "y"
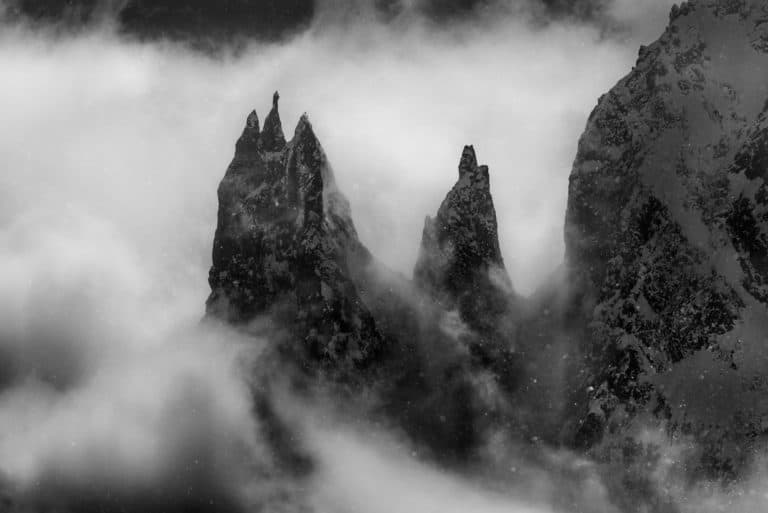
{"x": 666, "y": 242}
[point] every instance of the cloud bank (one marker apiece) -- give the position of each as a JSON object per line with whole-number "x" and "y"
{"x": 110, "y": 390}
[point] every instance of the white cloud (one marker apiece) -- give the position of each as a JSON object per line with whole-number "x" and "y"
{"x": 108, "y": 378}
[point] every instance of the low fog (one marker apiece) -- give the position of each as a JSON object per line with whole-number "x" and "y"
{"x": 112, "y": 150}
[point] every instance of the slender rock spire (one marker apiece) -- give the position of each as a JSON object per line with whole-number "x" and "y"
{"x": 249, "y": 140}
{"x": 253, "y": 121}
{"x": 272, "y": 137}
{"x": 460, "y": 252}
{"x": 468, "y": 162}
{"x": 468, "y": 165}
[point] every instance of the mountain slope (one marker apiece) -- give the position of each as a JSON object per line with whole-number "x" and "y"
{"x": 665, "y": 239}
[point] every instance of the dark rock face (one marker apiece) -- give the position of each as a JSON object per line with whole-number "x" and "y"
{"x": 666, "y": 240}
{"x": 460, "y": 263}
{"x": 285, "y": 243}
{"x": 748, "y": 212}
{"x": 461, "y": 268}
{"x": 461, "y": 244}
{"x": 460, "y": 273}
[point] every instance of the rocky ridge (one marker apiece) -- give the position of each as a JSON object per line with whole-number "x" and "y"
{"x": 665, "y": 241}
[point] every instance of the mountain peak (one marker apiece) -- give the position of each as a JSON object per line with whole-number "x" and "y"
{"x": 248, "y": 144}
{"x": 285, "y": 241}
{"x": 303, "y": 128}
{"x": 460, "y": 251}
{"x": 468, "y": 160}
{"x": 253, "y": 120}
{"x": 272, "y": 138}
{"x": 468, "y": 167}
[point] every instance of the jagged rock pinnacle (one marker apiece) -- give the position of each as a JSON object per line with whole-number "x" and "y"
{"x": 460, "y": 254}
{"x": 248, "y": 144}
{"x": 285, "y": 240}
{"x": 469, "y": 168}
{"x": 307, "y": 154}
{"x": 272, "y": 137}
{"x": 302, "y": 126}
{"x": 461, "y": 268}
{"x": 468, "y": 162}
{"x": 253, "y": 120}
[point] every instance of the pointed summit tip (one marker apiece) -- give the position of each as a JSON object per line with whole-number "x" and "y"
{"x": 272, "y": 137}
{"x": 302, "y": 125}
{"x": 304, "y": 131}
{"x": 253, "y": 120}
{"x": 304, "y": 120}
{"x": 468, "y": 161}
{"x": 248, "y": 142}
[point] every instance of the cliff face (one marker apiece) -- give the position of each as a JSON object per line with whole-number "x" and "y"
{"x": 666, "y": 239}
{"x": 285, "y": 243}
{"x": 460, "y": 263}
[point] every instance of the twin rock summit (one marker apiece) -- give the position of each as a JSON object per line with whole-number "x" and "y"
{"x": 657, "y": 320}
